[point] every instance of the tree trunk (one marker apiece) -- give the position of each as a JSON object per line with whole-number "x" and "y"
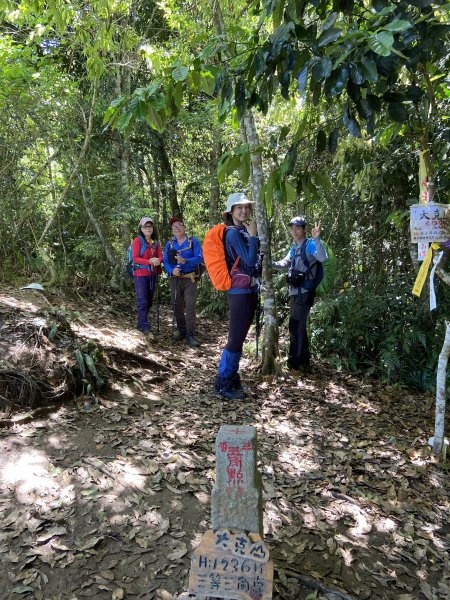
{"x": 77, "y": 165}
{"x": 148, "y": 170}
{"x": 49, "y": 260}
{"x": 97, "y": 226}
{"x": 250, "y": 135}
{"x": 189, "y": 188}
{"x": 123, "y": 86}
{"x": 438, "y": 443}
{"x": 160, "y": 199}
{"x": 214, "y": 197}
{"x": 443, "y": 275}
{"x": 270, "y": 331}
{"x": 167, "y": 178}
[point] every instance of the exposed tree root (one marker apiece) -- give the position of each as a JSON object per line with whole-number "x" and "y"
{"x": 18, "y": 389}
{"x": 30, "y": 416}
{"x": 142, "y": 360}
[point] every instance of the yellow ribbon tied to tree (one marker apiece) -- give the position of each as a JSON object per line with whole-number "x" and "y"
{"x": 423, "y": 271}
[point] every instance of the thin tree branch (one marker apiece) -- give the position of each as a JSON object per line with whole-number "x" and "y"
{"x": 77, "y": 165}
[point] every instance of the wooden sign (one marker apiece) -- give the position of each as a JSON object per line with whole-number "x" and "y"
{"x": 227, "y": 565}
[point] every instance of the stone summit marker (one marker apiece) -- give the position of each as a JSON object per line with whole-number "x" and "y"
{"x": 232, "y": 560}
{"x": 236, "y": 501}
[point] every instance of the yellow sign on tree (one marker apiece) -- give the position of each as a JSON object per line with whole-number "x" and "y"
{"x": 423, "y": 271}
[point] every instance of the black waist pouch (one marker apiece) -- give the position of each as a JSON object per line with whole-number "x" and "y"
{"x": 295, "y": 277}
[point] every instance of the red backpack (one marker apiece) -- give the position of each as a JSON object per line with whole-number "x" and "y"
{"x": 215, "y": 258}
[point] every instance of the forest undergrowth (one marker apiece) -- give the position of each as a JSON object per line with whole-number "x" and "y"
{"x": 107, "y": 463}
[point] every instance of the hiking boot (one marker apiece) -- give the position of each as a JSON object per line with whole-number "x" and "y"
{"x": 225, "y": 389}
{"x": 191, "y": 341}
{"x": 292, "y": 365}
{"x": 178, "y": 336}
{"x": 237, "y": 383}
{"x": 230, "y": 394}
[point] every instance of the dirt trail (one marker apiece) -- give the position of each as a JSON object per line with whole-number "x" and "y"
{"x": 107, "y": 499}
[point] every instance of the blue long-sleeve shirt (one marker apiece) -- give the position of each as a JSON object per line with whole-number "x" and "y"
{"x": 190, "y": 249}
{"x": 239, "y": 243}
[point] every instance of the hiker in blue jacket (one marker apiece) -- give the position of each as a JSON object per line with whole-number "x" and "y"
{"x": 242, "y": 256}
{"x": 182, "y": 259}
{"x": 301, "y": 262}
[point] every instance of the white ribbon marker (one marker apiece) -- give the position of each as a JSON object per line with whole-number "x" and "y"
{"x": 433, "y": 303}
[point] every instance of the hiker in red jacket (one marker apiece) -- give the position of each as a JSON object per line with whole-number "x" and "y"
{"x": 146, "y": 259}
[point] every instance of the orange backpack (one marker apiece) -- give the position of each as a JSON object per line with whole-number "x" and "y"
{"x": 215, "y": 260}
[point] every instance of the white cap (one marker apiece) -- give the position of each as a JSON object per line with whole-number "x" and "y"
{"x": 236, "y": 198}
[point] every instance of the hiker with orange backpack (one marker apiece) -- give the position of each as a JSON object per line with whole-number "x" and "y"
{"x": 303, "y": 264}
{"x": 231, "y": 253}
{"x": 146, "y": 258}
{"x": 182, "y": 259}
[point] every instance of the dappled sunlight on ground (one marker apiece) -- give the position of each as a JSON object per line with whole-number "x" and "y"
{"x": 124, "y": 338}
{"x": 19, "y": 301}
{"x": 108, "y": 500}
{"x": 28, "y": 475}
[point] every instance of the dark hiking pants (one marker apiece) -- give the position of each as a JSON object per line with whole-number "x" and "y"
{"x": 299, "y": 354}
{"x": 184, "y": 297}
{"x": 242, "y": 310}
{"x": 144, "y": 288}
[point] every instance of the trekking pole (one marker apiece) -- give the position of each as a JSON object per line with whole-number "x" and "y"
{"x": 258, "y": 322}
{"x": 157, "y": 304}
{"x": 174, "y": 303}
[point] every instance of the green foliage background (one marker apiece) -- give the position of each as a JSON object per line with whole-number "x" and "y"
{"x": 344, "y": 97}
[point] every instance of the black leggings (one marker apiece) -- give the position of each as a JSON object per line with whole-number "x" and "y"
{"x": 242, "y": 310}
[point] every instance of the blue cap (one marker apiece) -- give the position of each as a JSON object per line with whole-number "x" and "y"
{"x": 298, "y": 221}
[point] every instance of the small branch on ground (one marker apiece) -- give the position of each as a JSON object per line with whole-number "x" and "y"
{"x": 312, "y": 584}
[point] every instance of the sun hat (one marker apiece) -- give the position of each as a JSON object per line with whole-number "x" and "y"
{"x": 145, "y": 220}
{"x": 298, "y": 221}
{"x": 236, "y": 198}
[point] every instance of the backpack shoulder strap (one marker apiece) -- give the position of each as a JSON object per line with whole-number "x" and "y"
{"x": 237, "y": 259}
{"x": 292, "y": 251}
{"x": 143, "y": 246}
{"x": 303, "y": 252}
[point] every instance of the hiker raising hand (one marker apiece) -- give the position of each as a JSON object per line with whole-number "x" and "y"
{"x": 315, "y": 231}
{"x": 303, "y": 263}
